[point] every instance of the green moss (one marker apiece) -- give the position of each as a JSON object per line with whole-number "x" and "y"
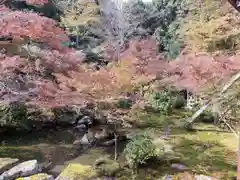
{"x": 107, "y": 166}
{"x": 77, "y": 172}
{"x": 206, "y": 153}
{"x": 207, "y": 150}
{"x": 40, "y": 176}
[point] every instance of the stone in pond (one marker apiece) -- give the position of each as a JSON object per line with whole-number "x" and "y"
{"x": 86, "y": 120}
{"x": 85, "y": 140}
{"x": 102, "y": 134}
{"x": 179, "y": 167}
{"x": 77, "y": 171}
{"x": 40, "y": 176}
{"x": 88, "y": 138}
{"x": 203, "y": 177}
{"x": 26, "y": 168}
{"x": 81, "y": 127}
{"x": 7, "y": 163}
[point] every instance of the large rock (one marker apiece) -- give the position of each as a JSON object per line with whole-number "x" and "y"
{"x": 26, "y": 168}
{"x": 81, "y": 127}
{"x": 40, "y": 176}
{"x": 77, "y": 171}
{"x": 7, "y": 163}
{"x": 86, "y": 120}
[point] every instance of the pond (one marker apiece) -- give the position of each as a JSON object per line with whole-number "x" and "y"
{"x": 55, "y": 147}
{"x": 204, "y": 151}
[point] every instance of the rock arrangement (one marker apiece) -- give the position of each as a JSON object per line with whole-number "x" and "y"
{"x": 28, "y": 169}
{"x": 103, "y": 169}
{"x": 32, "y": 170}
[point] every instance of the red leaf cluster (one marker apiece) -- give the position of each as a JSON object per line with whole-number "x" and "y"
{"x": 27, "y": 25}
{"x": 139, "y": 63}
{"x": 198, "y": 72}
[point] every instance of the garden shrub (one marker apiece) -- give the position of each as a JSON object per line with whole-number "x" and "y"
{"x": 166, "y": 101}
{"x": 139, "y": 150}
{"x": 15, "y": 115}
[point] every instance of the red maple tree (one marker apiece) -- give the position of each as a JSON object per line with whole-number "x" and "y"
{"x": 54, "y": 74}
{"x": 200, "y": 72}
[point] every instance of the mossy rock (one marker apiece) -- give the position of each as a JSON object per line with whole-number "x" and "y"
{"x": 40, "y": 176}
{"x": 77, "y": 171}
{"x": 106, "y": 166}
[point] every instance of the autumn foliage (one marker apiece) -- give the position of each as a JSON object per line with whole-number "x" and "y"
{"x": 199, "y": 72}
{"x": 22, "y": 26}
{"x": 51, "y": 74}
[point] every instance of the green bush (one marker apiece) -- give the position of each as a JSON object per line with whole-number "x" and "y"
{"x": 162, "y": 19}
{"x": 169, "y": 40}
{"x": 124, "y": 103}
{"x": 139, "y": 150}
{"x": 170, "y": 16}
{"x": 162, "y": 101}
{"x": 167, "y": 100}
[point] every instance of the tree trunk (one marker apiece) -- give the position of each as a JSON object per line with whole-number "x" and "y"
{"x": 189, "y": 123}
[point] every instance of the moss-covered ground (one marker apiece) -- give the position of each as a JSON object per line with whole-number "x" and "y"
{"x": 206, "y": 150}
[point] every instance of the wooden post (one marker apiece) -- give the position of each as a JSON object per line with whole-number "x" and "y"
{"x": 116, "y": 146}
{"x": 238, "y": 154}
{"x": 116, "y": 142}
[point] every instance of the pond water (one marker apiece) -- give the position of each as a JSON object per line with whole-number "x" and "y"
{"x": 55, "y": 147}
